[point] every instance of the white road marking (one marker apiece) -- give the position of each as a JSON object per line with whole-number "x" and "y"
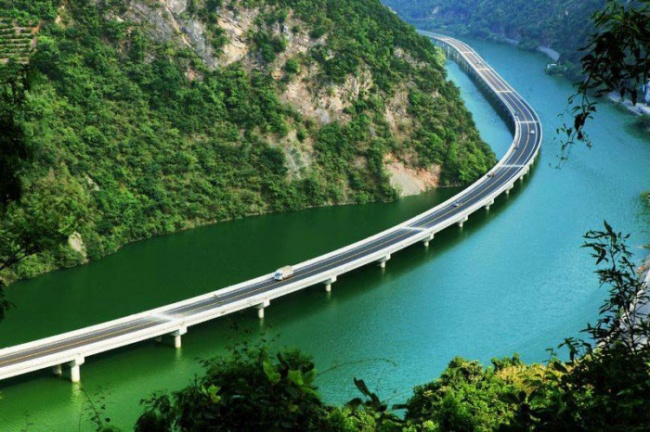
{"x": 164, "y": 317}
{"x": 415, "y": 229}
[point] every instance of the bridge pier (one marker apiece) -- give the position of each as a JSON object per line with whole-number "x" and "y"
{"x": 57, "y": 370}
{"x": 426, "y": 240}
{"x": 75, "y": 369}
{"x": 462, "y": 221}
{"x": 177, "y": 336}
{"x": 260, "y": 308}
{"x": 328, "y": 284}
{"x": 382, "y": 261}
{"x": 509, "y": 189}
{"x": 487, "y": 206}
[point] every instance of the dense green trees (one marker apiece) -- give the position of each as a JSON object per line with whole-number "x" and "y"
{"x": 13, "y": 156}
{"x": 155, "y": 140}
{"x": 14, "y": 151}
{"x": 253, "y": 390}
{"x": 37, "y": 214}
{"x": 248, "y": 390}
{"x": 468, "y": 397}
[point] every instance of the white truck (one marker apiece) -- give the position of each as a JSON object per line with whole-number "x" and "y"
{"x": 283, "y": 273}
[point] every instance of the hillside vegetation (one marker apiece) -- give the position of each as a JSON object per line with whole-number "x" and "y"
{"x": 144, "y": 117}
{"x": 561, "y": 25}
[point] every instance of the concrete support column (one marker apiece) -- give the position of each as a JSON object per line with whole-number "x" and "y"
{"x": 75, "y": 373}
{"x": 260, "y": 308}
{"x": 508, "y": 190}
{"x": 177, "y": 336}
{"x": 75, "y": 369}
{"x": 382, "y": 261}
{"x": 462, "y": 221}
{"x": 489, "y": 204}
{"x": 426, "y": 240}
{"x": 57, "y": 370}
{"x": 328, "y": 284}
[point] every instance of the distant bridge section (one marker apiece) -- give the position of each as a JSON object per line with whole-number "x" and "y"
{"x": 70, "y": 349}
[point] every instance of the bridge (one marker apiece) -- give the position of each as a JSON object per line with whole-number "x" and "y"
{"x": 69, "y": 350}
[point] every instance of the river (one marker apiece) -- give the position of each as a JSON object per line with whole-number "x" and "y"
{"x": 514, "y": 279}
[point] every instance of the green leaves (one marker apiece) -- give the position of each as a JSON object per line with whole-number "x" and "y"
{"x": 469, "y": 397}
{"x": 247, "y": 390}
{"x": 273, "y": 375}
{"x": 212, "y": 392}
{"x": 616, "y": 58}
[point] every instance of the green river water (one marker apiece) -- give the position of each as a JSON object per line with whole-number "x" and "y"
{"x": 512, "y": 280}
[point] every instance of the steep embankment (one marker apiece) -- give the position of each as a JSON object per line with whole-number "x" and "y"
{"x": 562, "y": 25}
{"x": 159, "y": 115}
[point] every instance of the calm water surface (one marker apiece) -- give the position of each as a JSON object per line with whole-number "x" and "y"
{"x": 513, "y": 280}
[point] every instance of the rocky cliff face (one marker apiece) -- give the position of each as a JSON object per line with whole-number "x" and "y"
{"x": 229, "y": 39}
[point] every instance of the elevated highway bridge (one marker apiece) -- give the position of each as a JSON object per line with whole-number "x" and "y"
{"x": 69, "y": 350}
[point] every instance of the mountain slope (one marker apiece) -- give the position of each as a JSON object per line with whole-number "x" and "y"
{"x": 562, "y": 25}
{"x": 165, "y": 114}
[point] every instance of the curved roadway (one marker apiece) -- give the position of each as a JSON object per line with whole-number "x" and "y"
{"x": 71, "y": 348}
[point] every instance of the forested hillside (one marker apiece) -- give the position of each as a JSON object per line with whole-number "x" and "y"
{"x": 144, "y": 117}
{"x": 561, "y": 25}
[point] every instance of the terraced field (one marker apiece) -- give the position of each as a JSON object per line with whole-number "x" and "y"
{"x": 16, "y": 42}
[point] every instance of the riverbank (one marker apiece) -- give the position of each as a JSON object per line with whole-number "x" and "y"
{"x": 638, "y": 109}
{"x": 547, "y": 51}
